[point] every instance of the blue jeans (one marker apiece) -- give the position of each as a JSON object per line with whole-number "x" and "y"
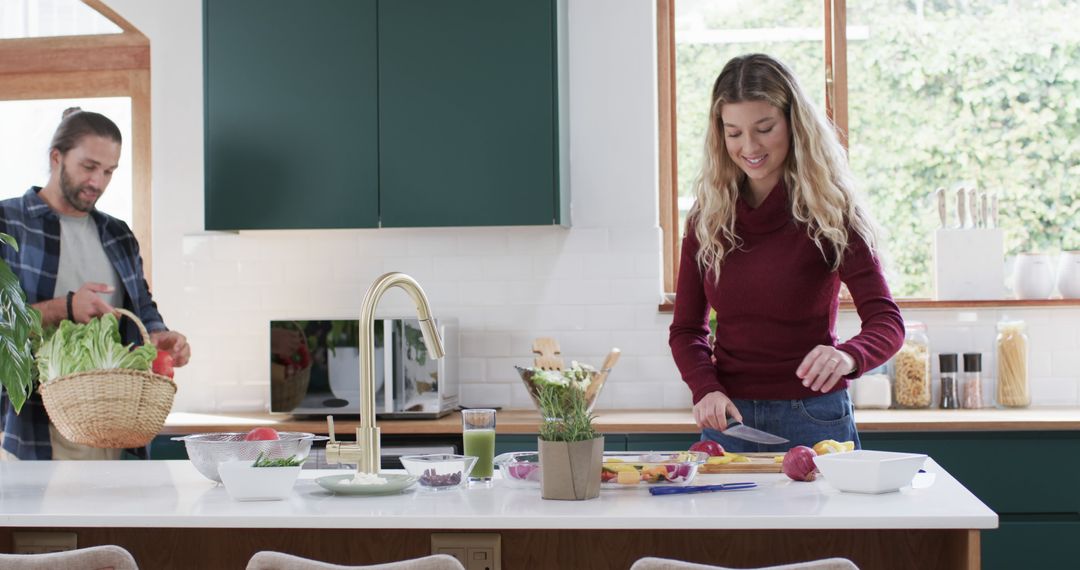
{"x": 803, "y": 422}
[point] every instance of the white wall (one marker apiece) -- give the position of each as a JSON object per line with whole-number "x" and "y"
{"x": 594, "y": 286}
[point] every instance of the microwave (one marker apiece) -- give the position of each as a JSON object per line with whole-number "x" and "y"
{"x": 315, "y": 368}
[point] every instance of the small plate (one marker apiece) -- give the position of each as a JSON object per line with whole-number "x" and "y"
{"x": 395, "y": 483}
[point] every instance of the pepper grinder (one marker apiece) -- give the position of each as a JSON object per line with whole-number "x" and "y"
{"x": 973, "y": 380}
{"x": 950, "y": 390}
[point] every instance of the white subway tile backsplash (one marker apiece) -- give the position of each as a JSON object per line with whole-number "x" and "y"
{"x": 1054, "y": 391}
{"x": 581, "y": 292}
{"x": 585, "y": 240}
{"x": 612, "y": 317}
{"x": 609, "y": 266}
{"x": 508, "y": 267}
{"x": 482, "y": 242}
{"x": 562, "y": 317}
{"x": 476, "y": 395}
{"x": 634, "y": 240}
{"x": 501, "y": 370}
{"x": 459, "y": 267}
{"x": 484, "y": 344}
{"x": 642, "y": 343}
{"x": 566, "y": 266}
{"x": 510, "y": 317}
{"x": 1065, "y": 363}
{"x": 471, "y": 370}
{"x": 535, "y": 241}
{"x": 431, "y": 243}
{"x": 627, "y": 395}
{"x": 624, "y": 291}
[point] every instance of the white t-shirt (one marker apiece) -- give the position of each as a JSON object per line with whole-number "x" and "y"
{"x": 83, "y": 259}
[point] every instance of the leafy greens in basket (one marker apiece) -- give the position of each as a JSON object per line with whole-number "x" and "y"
{"x": 95, "y": 345}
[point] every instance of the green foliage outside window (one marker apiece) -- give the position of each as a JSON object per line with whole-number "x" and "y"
{"x": 982, "y": 92}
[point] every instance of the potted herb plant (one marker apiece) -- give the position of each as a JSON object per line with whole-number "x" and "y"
{"x": 20, "y": 327}
{"x": 571, "y": 450}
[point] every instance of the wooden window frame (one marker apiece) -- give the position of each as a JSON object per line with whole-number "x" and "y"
{"x": 836, "y": 107}
{"x": 103, "y": 65}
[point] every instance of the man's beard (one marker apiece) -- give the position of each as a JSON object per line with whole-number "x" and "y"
{"x": 71, "y": 193}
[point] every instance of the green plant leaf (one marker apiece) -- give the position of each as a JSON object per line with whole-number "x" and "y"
{"x": 20, "y": 324}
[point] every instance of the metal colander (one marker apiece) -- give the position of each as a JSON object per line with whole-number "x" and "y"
{"x": 207, "y": 450}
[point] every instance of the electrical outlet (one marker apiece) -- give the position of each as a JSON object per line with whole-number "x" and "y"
{"x": 475, "y": 550}
{"x": 43, "y": 542}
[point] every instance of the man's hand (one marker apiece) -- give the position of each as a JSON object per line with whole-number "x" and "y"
{"x": 175, "y": 344}
{"x": 87, "y": 304}
{"x": 823, "y": 367}
{"x": 713, "y": 410}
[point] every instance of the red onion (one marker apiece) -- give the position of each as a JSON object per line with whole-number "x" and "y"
{"x": 799, "y": 463}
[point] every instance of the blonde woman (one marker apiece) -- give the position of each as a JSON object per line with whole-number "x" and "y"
{"x": 776, "y": 228}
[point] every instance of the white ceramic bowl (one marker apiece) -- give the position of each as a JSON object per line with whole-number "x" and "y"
{"x": 246, "y": 483}
{"x": 866, "y": 471}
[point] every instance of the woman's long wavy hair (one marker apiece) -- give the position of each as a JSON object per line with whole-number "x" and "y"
{"x": 816, "y": 172}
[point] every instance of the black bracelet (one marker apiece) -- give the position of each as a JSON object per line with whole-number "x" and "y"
{"x": 71, "y": 315}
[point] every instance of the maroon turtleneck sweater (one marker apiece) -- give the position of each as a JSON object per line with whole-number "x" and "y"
{"x": 776, "y": 299}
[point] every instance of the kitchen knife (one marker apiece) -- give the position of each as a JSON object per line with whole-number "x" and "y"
{"x": 939, "y": 194}
{"x": 961, "y": 207}
{"x": 973, "y": 207}
{"x": 984, "y": 210}
{"x": 701, "y": 488}
{"x": 738, "y": 430}
{"x": 994, "y": 209}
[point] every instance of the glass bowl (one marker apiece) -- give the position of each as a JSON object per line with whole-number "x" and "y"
{"x": 633, "y": 470}
{"x": 597, "y": 378}
{"x": 520, "y": 468}
{"x": 207, "y": 450}
{"x": 439, "y": 471}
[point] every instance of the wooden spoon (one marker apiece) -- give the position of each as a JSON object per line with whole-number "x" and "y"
{"x": 549, "y": 354}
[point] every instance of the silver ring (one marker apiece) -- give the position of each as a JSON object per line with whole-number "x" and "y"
{"x": 834, "y": 360}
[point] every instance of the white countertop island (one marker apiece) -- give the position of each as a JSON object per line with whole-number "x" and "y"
{"x": 129, "y": 502}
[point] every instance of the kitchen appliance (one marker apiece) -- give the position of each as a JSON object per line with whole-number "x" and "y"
{"x": 409, "y": 384}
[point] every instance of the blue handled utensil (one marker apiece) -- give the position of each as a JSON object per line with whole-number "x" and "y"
{"x": 701, "y": 488}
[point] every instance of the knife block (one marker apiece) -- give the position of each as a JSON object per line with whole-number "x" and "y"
{"x": 969, "y": 264}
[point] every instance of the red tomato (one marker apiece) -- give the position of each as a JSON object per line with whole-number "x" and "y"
{"x": 261, "y": 434}
{"x": 708, "y": 446}
{"x": 163, "y": 364}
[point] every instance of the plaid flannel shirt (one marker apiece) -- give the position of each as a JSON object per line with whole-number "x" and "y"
{"x": 36, "y": 228}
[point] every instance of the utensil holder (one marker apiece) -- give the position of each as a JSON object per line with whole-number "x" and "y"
{"x": 969, "y": 264}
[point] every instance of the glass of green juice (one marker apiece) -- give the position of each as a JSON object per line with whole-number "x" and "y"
{"x": 478, "y": 434}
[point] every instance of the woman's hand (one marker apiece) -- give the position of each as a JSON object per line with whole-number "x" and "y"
{"x": 713, "y": 410}
{"x": 823, "y": 367}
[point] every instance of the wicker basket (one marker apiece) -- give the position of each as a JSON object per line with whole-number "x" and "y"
{"x": 287, "y": 390}
{"x": 116, "y": 408}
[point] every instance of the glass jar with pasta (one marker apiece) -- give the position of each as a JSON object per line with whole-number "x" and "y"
{"x": 1013, "y": 389}
{"x": 911, "y": 368}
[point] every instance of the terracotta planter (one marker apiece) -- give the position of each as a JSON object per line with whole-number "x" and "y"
{"x": 571, "y": 470}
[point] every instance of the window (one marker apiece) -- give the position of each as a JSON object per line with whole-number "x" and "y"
{"x": 56, "y": 54}
{"x": 929, "y": 93}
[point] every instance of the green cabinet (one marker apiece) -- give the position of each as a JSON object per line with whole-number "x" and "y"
{"x": 467, "y": 115}
{"x": 291, "y": 114}
{"x": 391, "y": 113}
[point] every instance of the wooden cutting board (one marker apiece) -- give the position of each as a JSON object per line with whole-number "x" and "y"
{"x": 760, "y": 462}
